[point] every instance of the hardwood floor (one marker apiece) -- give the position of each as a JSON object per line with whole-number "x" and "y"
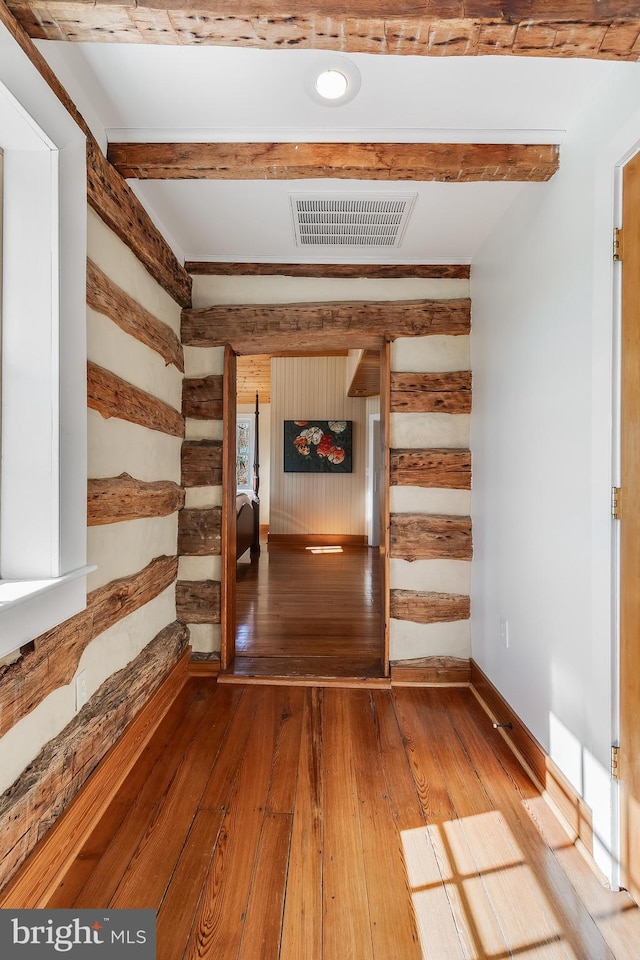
{"x": 298, "y": 823}
{"x": 301, "y": 614}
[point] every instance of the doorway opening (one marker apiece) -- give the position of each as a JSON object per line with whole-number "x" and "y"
{"x": 310, "y": 601}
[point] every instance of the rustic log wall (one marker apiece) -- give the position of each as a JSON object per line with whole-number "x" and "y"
{"x": 199, "y": 525}
{"x": 430, "y": 471}
{"x": 127, "y": 638}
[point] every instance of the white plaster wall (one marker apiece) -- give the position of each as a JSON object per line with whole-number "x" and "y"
{"x": 542, "y": 335}
{"x": 122, "y": 549}
{"x": 117, "y": 446}
{"x": 115, "y": 259}
{"x": 218, "y": 290}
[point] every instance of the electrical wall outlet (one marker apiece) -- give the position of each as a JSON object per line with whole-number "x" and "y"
{"x": 504, "y": 633}
{"x": 81, "y": 690}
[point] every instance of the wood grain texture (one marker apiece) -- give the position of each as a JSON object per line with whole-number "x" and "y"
{"x": 407, "y": 788}
{"x": 436, "y": 271}
{"x": 427, "y": 607}
{"x": 106, "y": 297}
{"x": 430, "y": 671}
{"x": 198, "y": 601}
{"x": 201, "y": 463}
{"x": 458, "y": 162}
{"x": 116, "y": 204}
{"x": 40, "y": 795}
{"x": 431, "y": 392}
{"x": 629, "y": 532}
{"x": 202, "y": 398}
{"x": 438, "y": 467}
{"x": 56, "y": 654}
{"x": 582, "y": 28}
{"x": 266, "y": 328}
{"x": 253, "y": 375}
{"x": 112, "y": 396}
{"x": 114, "y": 499}
{"x": 229, "y": 512}
{"x": 366, "y": 379}
{"x": 419, "y": 537}
{"x": 200, "y": 532}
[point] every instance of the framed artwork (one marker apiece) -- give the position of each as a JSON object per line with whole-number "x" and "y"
{"x": 318, "y": 446}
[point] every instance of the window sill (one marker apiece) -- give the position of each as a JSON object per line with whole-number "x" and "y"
{"x": 28, "y": 608}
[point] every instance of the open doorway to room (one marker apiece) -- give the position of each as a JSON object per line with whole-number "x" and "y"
{"x": 309, "y": 599}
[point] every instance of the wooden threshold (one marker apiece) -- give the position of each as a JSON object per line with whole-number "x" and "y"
{"x": 431, "y": 672}
{"x": 318, "y": 539}
{"x": 204, "y": 665}
{"x": 307, "y": 672}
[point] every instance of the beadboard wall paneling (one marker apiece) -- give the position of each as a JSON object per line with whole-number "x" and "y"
{"x": 314, "y": 388}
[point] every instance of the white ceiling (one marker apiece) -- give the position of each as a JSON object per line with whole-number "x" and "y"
{"x": 130, "y": 92}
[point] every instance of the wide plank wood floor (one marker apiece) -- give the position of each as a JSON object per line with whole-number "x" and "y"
{"x": 310, "y": 823}
{"x": 309, "y": 614}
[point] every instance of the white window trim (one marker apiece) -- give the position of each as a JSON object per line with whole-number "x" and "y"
{"x": 43, "y": 471}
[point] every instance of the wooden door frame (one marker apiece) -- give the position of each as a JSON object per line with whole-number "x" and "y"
{"x": 228, "y": 592}
{"x": 628, "y": 683}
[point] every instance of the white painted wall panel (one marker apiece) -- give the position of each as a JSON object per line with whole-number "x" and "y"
{"x": 117, "y": 446}
{"x": 202, "y": 429}
{"x": 203, "y": 361}
{"x": 122, "y": 354}
{"x": 200, "y": 568}
{"x": 210, "y": 290}
{"x": 122, "y": 549}
{"x": 424, "y": 430}
{"x": 203, "y": 497}
{"x": 205, "y": 637}
{"x": 453, "y": 503}
{"x": 408, "y": 641}
{"x": 430, "y": 354}
{"x": 312, "y": 388}
{"x": 440, "y": 576}
{"x": 122, "y": 266}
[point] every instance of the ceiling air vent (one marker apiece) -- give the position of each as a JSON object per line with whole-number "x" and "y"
{"x": 357, "y": 221}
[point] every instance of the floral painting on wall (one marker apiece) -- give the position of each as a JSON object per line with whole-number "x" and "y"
{"x": 318, "y": 446}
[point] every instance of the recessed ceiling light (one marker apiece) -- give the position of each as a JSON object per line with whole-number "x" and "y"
{"x": 332, "y": 80}
{"x": 331, "y": 84}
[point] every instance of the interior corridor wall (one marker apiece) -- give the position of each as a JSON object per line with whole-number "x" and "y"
{"x": 543, "y": 337}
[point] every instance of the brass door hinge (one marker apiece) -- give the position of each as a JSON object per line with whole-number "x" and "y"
{"x": 615, "y": 502}
{"x": 615, "y": 763}
{"x": 617, "y": 244}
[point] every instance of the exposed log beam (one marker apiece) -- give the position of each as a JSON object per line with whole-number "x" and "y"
{"x": 366, "y": 379}
{"x": 112, "y": 396}
{"x": 267, "y": 327}
{"x": 431, "y": 392}
{"x": 202, "y": 397}
{"x": 421, "y": 607}
{"x": 113, "y": 499}
{"x": 604, "y": 29}
{"x": 38, "y": 797}
{"x": 459, "y": 162}
{"x": 201, "y": 463}
{"x": 198, "y": 601}
{"x": 420, "y": 537}
{"x": 200, "y": 532}
{"x": 438, "y": 467}
{"x": 107, "y": 298}
{"x": 342, "y": 271}
{"x": 56, "y": 654}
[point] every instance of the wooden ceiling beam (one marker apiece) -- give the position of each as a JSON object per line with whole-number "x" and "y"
{"x": 603, "y": 29}
{"x": 449, "y": 162}
{"x": 267, "y": 328}
{"x": 341, "y": 271}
